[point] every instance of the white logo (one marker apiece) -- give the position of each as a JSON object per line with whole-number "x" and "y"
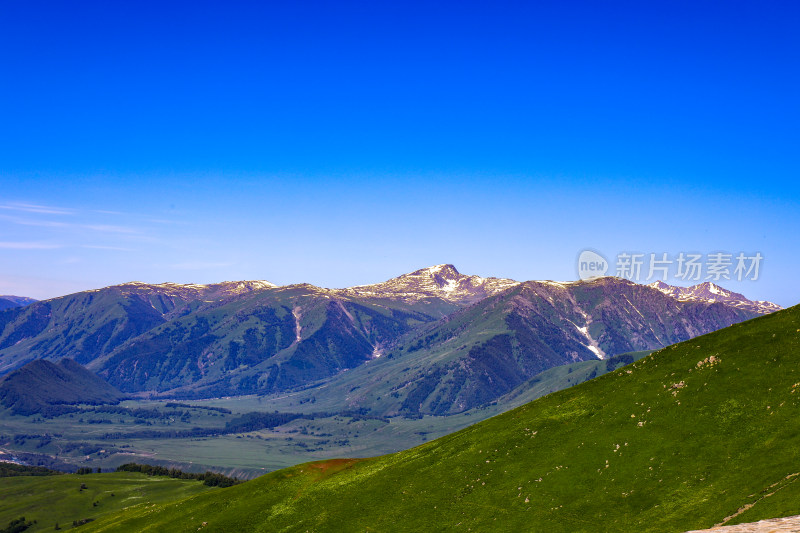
{"x": 591, "y": 265}
{"x": 685, "y": 266}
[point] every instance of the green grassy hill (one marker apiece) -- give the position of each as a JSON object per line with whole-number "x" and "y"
{"x": 563, "y": 377}
{"x": 51, "y": 499}
{"x": 699, "y": 433}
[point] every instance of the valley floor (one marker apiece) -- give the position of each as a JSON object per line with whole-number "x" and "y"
{"x": 159, "y": 431}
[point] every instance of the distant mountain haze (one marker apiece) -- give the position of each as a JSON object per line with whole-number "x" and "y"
{"x": 8, "y": 301}
{"x": 40, "y": 385}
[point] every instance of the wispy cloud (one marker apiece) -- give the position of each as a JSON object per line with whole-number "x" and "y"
{"x": 28, "y": 246}
{"x": 102, "y": 247}
{"x": 39, "y": 226}
{"x": 34, "y": 222}
{"x": 108, "y": 228}
{"x": 33, "y": 208}
{"x": 104, "y": 228}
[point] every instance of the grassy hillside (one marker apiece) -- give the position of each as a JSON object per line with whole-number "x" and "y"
{"x": 699, "y": 433}
{"x": 51, "y": 499}
{"x": 563, "y": 377}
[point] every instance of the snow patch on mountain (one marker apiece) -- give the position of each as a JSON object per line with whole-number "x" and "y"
{"x": 561, "y": 284}
{"x": 229, "y": 287}
{"x": 593, "y": 345}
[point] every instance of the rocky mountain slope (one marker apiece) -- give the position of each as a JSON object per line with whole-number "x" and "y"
{"x": 438, "y": 281}
{"x": 474, "y": 356}
{"x": 271, "y": 341}
{"x": 711, "y": 293}
{"x": 230, "y": 338}
{"x": 87, "y": 325}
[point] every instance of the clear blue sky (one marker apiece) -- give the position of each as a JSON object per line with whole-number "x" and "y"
{"x": 344, "y": 143}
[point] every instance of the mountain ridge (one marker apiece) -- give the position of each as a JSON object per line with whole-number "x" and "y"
{"x": 711, "y": 292}
{"x": 9, "y": 301}
{"x": 443, "y": 281}
{"x": 481, "y": 352}
{"x": 483, "y": 336}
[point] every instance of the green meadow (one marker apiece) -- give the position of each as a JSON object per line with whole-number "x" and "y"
{"x": 52, "y": 500}
{"x": 700, "y": 433}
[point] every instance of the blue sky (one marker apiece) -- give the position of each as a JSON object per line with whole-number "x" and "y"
{"x": 344, "y": 143}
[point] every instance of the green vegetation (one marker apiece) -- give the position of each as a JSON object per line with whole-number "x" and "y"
{"x": 699, "y": 433}
{"x": 51, "y": 500}
{"x": 18, "y": 525}
{"x": 14, "y": 470}
{"x": 208, "y": 478}
{"x": 565, "y": 376}
{"x": 200, "y": 435}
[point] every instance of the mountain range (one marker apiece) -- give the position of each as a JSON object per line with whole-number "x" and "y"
{"x": 481, "y": 352}
{"x": 433, "y": 341}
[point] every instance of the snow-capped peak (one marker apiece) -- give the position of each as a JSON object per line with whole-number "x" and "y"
{"x": 214, "y": 291}
{"x": 447, "y": 271}
{"x": 711, "y": 293}
{"x": 440, "y": 281}
{"x": 716, "y": 289}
